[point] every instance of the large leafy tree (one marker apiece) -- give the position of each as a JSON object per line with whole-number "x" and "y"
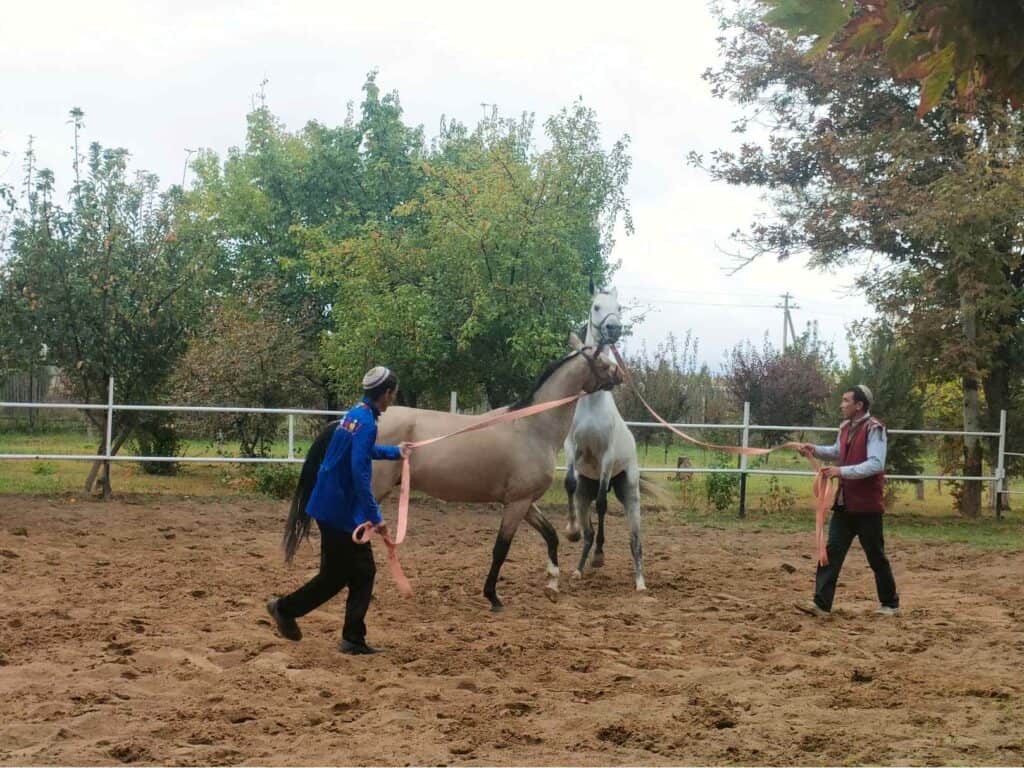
{"x": 473, "y": 283}
{"x": 107, "y": 283}
{"x": 283, "y": 195}
{"x": 969, "y": 45}
{"x": 852, "y": 171}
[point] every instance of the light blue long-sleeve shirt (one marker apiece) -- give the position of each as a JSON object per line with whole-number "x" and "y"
{"x": 873, "y": 465}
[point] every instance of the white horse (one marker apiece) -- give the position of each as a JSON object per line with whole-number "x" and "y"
{"x": 600, "y": 452}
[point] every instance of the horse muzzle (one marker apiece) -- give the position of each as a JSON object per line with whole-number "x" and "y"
{"x": 611, "y": 333}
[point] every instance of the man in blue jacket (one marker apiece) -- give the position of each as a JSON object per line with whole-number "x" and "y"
{"x": 341, "y": 501}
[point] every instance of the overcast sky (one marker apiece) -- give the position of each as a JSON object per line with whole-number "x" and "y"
{"x": 159, "y": 77}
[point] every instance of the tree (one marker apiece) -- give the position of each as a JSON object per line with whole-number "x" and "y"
{"x": 474, "y": 282}
{"x": 284, "y": 195}
{"x": 789, "y": 387}
{"x": 250, "y": 355}
{"x": 107, "y": 284}
{"x": 852, "y": 171}
{"x": 970, "y": 45}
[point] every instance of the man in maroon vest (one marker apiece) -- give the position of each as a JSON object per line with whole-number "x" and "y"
{"x": 860, "y": 452}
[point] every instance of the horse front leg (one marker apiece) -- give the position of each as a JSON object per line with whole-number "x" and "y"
{"x": 540, "y": 523}
{"x": 514, "y": 513}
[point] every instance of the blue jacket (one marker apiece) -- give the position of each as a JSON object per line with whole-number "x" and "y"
{"x": 343, "y": 495}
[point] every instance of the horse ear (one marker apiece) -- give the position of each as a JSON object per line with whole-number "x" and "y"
{"x": 593, "y": 290}
{"x": 574, "y": 341}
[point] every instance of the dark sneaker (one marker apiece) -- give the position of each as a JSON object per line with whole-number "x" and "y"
{"x": 813, "y": 609}
{"x": 287, "y": 627}
{"x": 356, "y": 649}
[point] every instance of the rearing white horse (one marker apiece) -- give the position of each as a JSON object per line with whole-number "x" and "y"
{"x": 600, "y": 452}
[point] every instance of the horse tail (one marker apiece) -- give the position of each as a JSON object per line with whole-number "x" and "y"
{"x": 570, "y": 480}
{"x": 297, "y": 526}
{"x": 651, "y": 488}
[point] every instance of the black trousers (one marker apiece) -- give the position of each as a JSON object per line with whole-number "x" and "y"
{"x": 842, "y": 529}
{"x": 343, "y": 563}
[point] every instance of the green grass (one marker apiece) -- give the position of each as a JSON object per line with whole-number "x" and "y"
{"x": 931, "y": 519}
{"x": 47, "y": 476}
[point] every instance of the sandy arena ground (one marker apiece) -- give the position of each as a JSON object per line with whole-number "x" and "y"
{"x": 135, "y": 632}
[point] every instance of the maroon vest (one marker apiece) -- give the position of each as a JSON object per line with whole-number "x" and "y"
{"x": 863, "y": 495}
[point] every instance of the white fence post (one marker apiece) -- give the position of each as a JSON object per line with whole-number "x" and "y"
{"x": 455, "y": 402}
{"x": 110, "y": 414}
{"x": 743, "y": 459}
{"x": 1000, "y": 482}
{"x": 291, "y": 436}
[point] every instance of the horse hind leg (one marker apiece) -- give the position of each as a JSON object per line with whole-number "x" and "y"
{"x": 602, "y": 510}
{"x": 586, "y": 492}
{"x": 540, "y": 523}
{"x": 514, "y": 513}
{"x": 572, "y": 528}
{"x": 627, "y": 489}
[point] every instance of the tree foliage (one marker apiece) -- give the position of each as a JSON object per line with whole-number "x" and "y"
{"x": 284, "y": 195}
{"x": 473, "y": 282}
{"x": 107, "y": 284}
{"x": 676, "y": 386}
{"x": 782, "y": 387}
{"x": 251, "y": 355}
{"x": 852, "y": 171}
{"x": 461, "y": 264}
{"x": 969, "y": 45}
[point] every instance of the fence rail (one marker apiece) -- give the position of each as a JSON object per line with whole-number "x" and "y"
{"x": 997, "y": 479}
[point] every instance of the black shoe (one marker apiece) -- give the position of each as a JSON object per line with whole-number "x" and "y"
{"x": 356, "y": 649}
{"x": 287, "y": 627}
{"x": 812, "y": 608}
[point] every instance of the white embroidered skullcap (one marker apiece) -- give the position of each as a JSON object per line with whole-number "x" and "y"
{"x": 376, "y": 376}
{"x": 867, "y": 393}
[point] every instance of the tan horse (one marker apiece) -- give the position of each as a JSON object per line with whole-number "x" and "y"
{"x": 512, "y": 463}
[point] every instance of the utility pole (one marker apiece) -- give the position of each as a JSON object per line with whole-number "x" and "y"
{"x": 787, "y": 318}
{"x": 188, "y": 156}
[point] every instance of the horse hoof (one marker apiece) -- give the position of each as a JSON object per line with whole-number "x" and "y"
{"x": 572, "y": 535}
{"x": 577, "y": 575}
{"x": 641, "y": 587}
{"x": 598, "y": 560}
{"x": 497, "y": 608}
{"x": 551, "y": 594}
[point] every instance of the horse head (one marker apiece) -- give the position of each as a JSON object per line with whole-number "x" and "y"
{"x": 602, "y": 371}
{"x": 605, "y": 325}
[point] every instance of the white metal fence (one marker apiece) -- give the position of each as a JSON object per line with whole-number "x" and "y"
{"x": 997, "y": 480}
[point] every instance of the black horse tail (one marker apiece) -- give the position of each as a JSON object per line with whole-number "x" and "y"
{"x": 297, "y": 527}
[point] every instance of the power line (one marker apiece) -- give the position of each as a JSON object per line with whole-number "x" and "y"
{"x": 734, "y": 305}
{"x": 679, "y": 292}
